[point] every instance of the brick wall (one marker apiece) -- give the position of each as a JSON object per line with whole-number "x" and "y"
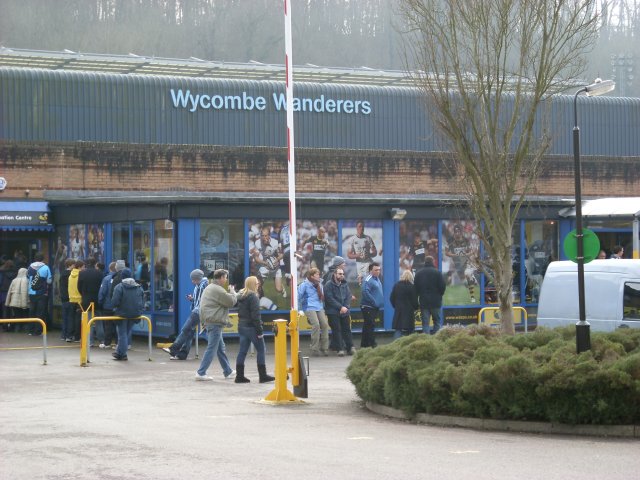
{"x": 215, "y": 169}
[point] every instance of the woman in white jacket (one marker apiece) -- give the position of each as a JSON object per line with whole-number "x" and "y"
{"x": 18, "y": 297}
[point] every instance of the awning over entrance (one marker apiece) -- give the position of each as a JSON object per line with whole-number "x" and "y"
{"x": 25, "y": 215}
{"x": 607, "y": 207}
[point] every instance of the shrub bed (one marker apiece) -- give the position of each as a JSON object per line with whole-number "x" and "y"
{"x": 477, "y": 372}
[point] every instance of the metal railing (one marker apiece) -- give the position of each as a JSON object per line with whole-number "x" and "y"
{"x": 32, "y": 320}
{"x": 86, "y": 330}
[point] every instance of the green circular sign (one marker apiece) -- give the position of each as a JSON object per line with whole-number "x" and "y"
{"x": 591, "y": 245}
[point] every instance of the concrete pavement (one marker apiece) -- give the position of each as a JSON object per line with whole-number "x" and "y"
{"x": 151, "y": 420}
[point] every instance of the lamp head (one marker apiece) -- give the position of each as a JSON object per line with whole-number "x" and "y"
{"x": 397, "y": 213}
{"x": 599, "y": 87}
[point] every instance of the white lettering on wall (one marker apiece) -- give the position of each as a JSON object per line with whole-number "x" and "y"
{"x": 192, "y": 103}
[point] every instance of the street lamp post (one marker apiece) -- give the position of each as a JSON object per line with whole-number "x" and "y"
{"x": 583, "y": 329}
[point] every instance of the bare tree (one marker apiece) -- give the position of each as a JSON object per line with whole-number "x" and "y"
{"x": 488, "y": 70}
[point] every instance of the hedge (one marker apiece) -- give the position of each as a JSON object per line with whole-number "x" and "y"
{"x": 477, "y": 372}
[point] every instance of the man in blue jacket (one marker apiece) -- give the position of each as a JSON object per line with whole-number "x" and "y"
{"x": 128, "y": 302}
{"x": 372, "y": 301}
{"x": 39, "y": 277}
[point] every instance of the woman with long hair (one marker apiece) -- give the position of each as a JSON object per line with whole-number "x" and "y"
{"x": 250, "y": 330}
{"x": 405, "y": 303}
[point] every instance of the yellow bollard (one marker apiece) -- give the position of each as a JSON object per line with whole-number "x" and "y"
{"x": 280, "y": 394}
{"x": 84, "y": 337}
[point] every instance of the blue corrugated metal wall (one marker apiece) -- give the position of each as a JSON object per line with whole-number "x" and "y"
{"x": 64, "y": 106}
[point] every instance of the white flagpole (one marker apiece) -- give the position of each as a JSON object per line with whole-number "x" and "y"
{"x": 293, "y": 239}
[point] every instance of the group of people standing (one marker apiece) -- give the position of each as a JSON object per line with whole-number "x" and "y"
{"x": 424, "y": 292}
{"x": 327, "y": 304}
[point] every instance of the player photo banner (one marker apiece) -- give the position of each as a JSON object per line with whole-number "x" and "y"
{"x": 460, "y": 262}
{"x": 418, "y": 240}
{"x": 269, "y": 247}
{"x": 317, "y": 245}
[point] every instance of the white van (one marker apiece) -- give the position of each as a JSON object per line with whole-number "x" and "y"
{"x": 612, "y": 294}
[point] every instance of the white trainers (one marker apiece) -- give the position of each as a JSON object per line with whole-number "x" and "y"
{"x": 102, "y": 345}
{"x": 231, "y": 375}
{"x": 203, "y": 378}
{"x": 341, "y": 353}
{"x": 167, "y": 349}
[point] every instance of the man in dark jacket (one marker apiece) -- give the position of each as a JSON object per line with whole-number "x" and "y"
{"x": 337, "y": 303}
{"x": 89, "y": 281}
{"x": 430, "y": 287}
{"x": 128, "y": 302}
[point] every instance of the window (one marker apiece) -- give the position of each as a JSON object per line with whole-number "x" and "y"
{"x": 120, "y": 242}
{"x": 163, "y": 265}
{"x": 631, "y": 301}
{"x": 541, "y": 240}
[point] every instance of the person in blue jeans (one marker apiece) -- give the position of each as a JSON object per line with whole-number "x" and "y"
{"x": 180, "y": 348}
{"x": 214, "y": 314}
{"x": 128, "y": 302}
{"x": 371, "y": 303}
{"x": 250, "y": 331}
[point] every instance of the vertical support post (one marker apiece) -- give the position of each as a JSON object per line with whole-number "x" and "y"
{"x": 636, "y": 238}
{"x": 280, "y": 394}
{"x": 583, "y": 329}
{"x": 294, "y": 333}
{"x": 84, "y": 337}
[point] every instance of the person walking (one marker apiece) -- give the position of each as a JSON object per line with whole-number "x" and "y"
{"x": 337, "y": 300}
{"x": 40, "y": 278}
{"x": 371, "y": 302}
{"x": 179, "y": 349}
{"x": 214, "y": 314}
{"x": 250, "y": 331}
{"x": 430, "y": 287}
{"x": 128, "y": 303}
{"x": 404, "y": 301}
{"x": 310, "y": 300}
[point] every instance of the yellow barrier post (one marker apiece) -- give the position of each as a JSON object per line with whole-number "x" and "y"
{"x": 32, "y": 320}
{"x": 84, "y": 333}
{"x": 280, "y": 394}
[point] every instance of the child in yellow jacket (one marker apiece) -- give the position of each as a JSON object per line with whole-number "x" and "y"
{"x": 75, "y": 297}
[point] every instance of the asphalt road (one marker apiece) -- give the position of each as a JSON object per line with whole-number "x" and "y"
{"x": 151, "y": 420}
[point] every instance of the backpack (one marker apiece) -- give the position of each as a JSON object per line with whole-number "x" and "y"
{"x": 38, "y": 283}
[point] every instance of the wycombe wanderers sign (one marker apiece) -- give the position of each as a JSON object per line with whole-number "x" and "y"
{"x": 193, "y": 102}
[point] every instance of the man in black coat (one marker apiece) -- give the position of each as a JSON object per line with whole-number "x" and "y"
{"x": 430, "y": 286}
{"x": 89, "y": 282}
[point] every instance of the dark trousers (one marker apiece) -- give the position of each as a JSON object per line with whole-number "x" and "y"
{"x": 182, "y": 345}
{"x": 369, "y": 315}
{"x": 340, "y": 332}
{"x": 110, "y": 334}
{"x": 38, "y": 309}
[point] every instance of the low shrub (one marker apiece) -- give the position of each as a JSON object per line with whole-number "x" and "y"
{"x": 475, "y": 371}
